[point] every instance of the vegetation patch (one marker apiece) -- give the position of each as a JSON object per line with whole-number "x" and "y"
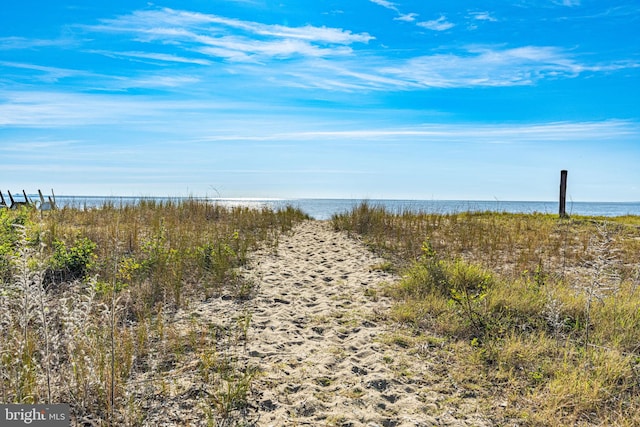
{"x": 534, "y": 314}
{"x": 89, "y": 299}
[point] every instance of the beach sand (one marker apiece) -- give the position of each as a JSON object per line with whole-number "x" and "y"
{"x": 320, "y": 334}
{"x": 321, "y": 338}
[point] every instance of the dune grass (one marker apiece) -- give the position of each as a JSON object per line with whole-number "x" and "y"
{"x": 87, "y": 297}
{"x": 539, "y": 314}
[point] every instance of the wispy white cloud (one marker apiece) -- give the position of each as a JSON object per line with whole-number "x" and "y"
{"x": 158, "y": 57}
{"x": 386, "y": 4}
{"x": 568, "y": 3}
{"x": 476, "y": 66}
{"x": 280, "y": 136}
{"x": 242, "y": 49}
{"x": 11, "y": 43}
{"x": 249, "y": 2}
{"x": 231, "y": 38}
{"x": 36, "y": 146}
{"x": 59, "y": 109}
{"x": 363, "y": 74}
{"x": 50, "y": 110}
{"x": 48, "y": 74}
{"x": 487, "y": 67}
{"x": 267, "y": 171}
{"x": 440, "y": 24}
{"x": 406, "y": 17}
{"x": 483, "y": 16}
{"x": 156, "y": 81}
{"x": 515, "y": 133}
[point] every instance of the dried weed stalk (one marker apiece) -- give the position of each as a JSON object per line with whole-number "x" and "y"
{"x": 604, "y": 277}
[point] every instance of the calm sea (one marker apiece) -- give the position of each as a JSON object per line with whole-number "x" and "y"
{"x": 325, "y": 208}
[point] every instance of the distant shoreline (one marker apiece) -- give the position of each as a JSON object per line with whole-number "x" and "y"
{"x": 325, "y": 208}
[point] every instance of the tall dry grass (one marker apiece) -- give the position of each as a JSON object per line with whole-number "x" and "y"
{"x": 87, "y": 298}
{"x": 540, "y": 313}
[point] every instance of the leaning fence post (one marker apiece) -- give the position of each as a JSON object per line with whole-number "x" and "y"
{"x": 563, "y": 193}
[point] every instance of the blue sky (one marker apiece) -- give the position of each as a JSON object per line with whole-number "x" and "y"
{"x": 347, "y": 99}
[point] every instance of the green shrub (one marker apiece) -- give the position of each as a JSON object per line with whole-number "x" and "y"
{"x": 222, "y": 255}
{"x": 72, "y": 263}
{"x": 426, "y": 276}
{"x": 469, "y": 285}
{"x": 465, "y": 286}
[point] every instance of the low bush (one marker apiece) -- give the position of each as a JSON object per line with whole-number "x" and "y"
{"x": 68, "y": 263}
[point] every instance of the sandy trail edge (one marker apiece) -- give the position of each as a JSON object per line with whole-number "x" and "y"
{"x": 319, "y": 334}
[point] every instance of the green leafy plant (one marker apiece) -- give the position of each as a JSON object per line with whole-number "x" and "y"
{"x": 71, "y": 263}
{"x": 427, "y": 275}
{"x": 469, "y": 286}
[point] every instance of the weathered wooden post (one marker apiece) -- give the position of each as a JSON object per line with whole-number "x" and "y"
{"x": 563, "y": 193}
{"x": 13, "y": 202}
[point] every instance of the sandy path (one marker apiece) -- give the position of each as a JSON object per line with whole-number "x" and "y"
{"x": 319, "y": 334}
{"x": 321, "y": 339}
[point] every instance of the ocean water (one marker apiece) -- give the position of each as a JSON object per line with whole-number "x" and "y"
{"x": 324, "y": 208}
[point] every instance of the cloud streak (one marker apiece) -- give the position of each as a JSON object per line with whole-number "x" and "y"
{"x": 44, "y": 73}
{"x": 474, "y": 133}
{"x": 151, "y": 56}
{"x": 19, "y": 43}
{"x": 231, "y": 39}
{"x": 386, "y": 4}
{"x": 483, "y": 16}
{"x": 489, "y": 67}
{"x": 405, "y": 17}
{"x": 568, "y": 3}
{"x": 475, "y": 66}
{"x": 440, "y": 24}
{"x": 51, "y": 110}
